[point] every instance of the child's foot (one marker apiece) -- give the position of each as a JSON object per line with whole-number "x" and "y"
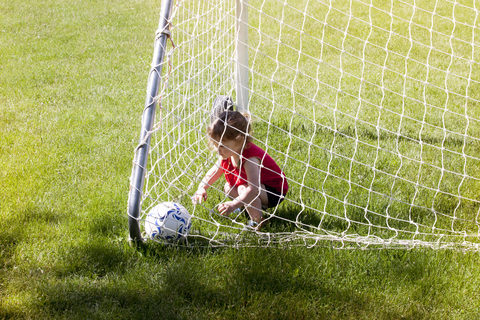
{"x": 255, "y": 226}
{"x": 251, "y": 225}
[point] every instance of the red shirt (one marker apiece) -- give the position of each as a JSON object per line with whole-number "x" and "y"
{"x": 270, "y": 173}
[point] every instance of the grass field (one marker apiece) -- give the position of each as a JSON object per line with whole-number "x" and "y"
{"x": 72, "y": 87}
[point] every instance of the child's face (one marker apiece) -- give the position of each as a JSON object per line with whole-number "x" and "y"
{"x": 227, "y": 148}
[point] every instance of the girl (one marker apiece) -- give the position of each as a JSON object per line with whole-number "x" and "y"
{"x": 253, "y": 179}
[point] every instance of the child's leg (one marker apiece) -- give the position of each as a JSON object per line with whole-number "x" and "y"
{"x": 254, "y": 208}
{"x": 232, "y": 193}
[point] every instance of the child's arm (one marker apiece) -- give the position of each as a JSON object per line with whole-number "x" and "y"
{"x": 212, "y": 175}
{"x": 252, "y": 191}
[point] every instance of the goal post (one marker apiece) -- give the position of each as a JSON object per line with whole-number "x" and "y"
{"x": 148, "y": 118}
{"x": 371, "y": 108}
{"x": 241, "y": 45}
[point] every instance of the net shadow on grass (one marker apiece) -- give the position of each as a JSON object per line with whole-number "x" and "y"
{"x": 245, "y": 284}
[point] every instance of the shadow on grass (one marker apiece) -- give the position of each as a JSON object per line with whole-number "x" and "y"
{"x": 96, "y": 277}
{"x": 185, "y": 289}
{"x": 177, "y": 283}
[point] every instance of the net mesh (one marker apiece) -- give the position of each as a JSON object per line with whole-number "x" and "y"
{"x": 371, "y": 108}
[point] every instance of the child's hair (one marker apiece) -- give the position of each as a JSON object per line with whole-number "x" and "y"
{"x": 230, "y": 125}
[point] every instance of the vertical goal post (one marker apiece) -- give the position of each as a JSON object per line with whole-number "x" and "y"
{"x": 371, "y": 108}
{"x": 241, "y": 40}
{"x": 148, "y": 118}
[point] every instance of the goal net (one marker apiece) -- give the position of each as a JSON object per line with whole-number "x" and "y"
{"x": 370, "y": 107}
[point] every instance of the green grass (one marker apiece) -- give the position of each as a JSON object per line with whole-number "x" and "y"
{"x": 72, "y": 87}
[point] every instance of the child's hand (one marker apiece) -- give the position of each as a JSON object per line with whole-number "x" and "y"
{"x": 227, "y": 207}
{"x": 199, "y": 196}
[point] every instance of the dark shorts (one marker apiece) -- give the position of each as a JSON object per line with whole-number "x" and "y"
{"x": 274, "y": 196}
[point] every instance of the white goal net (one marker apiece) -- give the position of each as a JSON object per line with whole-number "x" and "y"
{"x": 370, "y": 107}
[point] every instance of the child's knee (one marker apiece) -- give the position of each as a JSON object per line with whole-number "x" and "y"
{"x": 230, "y": 191}
{"x": 241, "y": 189}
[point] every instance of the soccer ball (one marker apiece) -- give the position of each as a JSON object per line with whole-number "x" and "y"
{"x": 168, "y": 221}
